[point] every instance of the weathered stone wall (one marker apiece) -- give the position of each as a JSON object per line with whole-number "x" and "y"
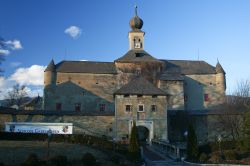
{"x": 93, "y": 125}
{"x": 175, "y": 92}
{"x": 196, "y": 86}
{"x": 158, "y": 118}
{"x": 89, "y": 90}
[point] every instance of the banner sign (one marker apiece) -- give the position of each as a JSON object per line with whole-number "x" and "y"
{"x": 42, "y": 128}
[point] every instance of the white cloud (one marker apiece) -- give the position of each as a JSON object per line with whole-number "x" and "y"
{"x": 14, "y": 45}
{"x": 4, "y": 52}
{"x": 29, "y": 76}
{"x": 5, "y": 86}
{"x": 15, "y": 64}
{"x": 73, "y": 31}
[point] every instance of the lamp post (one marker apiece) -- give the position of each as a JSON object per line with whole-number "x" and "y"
{"x": 49, "y": 137}
{"x": 219, "y": 139}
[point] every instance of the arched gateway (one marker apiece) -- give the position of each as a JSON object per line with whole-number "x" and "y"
{"x": 145, "y": 130}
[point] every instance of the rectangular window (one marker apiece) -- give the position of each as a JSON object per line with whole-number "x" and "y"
{"x": 140, "y": 108}
{"x": 128, "y": 108}
{"x": 153, "y": 108}
{"x": 206, "y": 97}
{"x": 102, "y": 107}
{"x": 77, "y": 107}
{"x": 58, "y": 106}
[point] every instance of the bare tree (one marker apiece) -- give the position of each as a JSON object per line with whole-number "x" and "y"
{"x": 230, "y": 115}
{"x": 17, "y": 95}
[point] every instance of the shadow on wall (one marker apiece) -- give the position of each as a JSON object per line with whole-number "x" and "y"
{"x": 70, "y": 94}
{"x": 195, "y": 92}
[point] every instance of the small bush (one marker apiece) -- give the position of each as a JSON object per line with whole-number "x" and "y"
{"x": 215, "y": 157}
{"x": 203, "y": 157}
{"x": 88, "y": 159}
{"x": 59, "y": 160}
{"x": 32, "y": 160}
{"x": 115, "y": 159}
{"x": 230, "y": 155}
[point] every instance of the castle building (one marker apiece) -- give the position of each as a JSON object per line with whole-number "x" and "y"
{"x": 137, "y": 87}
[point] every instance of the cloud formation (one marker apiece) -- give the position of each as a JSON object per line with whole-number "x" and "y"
{"x": 73, "y": 31}
{"x": 7, "y": 46}
{"x": 29, "y": 76}
{"x": 14, "y": 44}
{"x": 15, "y": 64}
{"x": 4, "y": 52}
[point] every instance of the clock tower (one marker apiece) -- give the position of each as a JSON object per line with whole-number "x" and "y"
{"x": 136, "y": 36}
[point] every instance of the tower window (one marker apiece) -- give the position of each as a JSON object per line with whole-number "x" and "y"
{"x": 102, "y": 107}
{"x": 58, "y": 106}
{"x": 153, "y": 108}
{"x": 206, "y": 97}
{"x": 140, "y": 108}
{"x": 128, "y": 108}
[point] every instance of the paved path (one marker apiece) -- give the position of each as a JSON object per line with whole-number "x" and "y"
{"x": 156, "y": 159}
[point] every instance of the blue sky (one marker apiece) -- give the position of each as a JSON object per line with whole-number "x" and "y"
{"x": 175, "y": 29}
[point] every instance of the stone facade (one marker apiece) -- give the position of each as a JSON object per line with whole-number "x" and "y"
{"x": 170, "y": 86}
{"x": 155, "y": 118}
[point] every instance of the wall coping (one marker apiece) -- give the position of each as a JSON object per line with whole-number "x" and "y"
{"x": 58, "y": 113}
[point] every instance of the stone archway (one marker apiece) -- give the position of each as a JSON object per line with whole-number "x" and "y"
{"x": 143, "y": 135}
{"x": 143, "y": 123}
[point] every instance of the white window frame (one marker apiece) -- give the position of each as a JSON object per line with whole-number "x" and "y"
{"x": 138, "y": 110}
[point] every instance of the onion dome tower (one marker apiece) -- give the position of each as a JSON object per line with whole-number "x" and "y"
{"x": 136, "y": 36}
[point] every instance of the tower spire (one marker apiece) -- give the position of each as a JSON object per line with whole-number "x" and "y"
{"x": 135, "y": 10}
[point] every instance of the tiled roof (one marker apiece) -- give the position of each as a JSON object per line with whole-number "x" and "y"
{"x": 140, "y": 86}
{"x": 86, "y": 67}
{"x": 136, "y": 55}
{"x": 219, "y": 68}
{"x": 171, "y": 77}
{"x": 188, "y": 67}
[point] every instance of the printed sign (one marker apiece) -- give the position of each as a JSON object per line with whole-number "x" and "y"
{"x": 43, "y": 128}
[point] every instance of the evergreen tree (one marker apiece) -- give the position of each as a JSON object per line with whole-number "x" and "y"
{"x": 134, "y": 149}
{"x": 246, "y": 131}
{"x": 192, "y": 145}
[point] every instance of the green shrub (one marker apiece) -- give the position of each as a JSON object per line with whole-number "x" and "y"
{"x": 133, "y": 148}
{"x": 230, "y": 155}
{"x": 115, "y": 159}
{"x": 88, "y": 159}
{"x": 59, "y": 160}
{"x": 203, "y": 157}
{"x": 192, "y": 144}
{"x": 215, "y": 157}
{"x": 32, "y": 160}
